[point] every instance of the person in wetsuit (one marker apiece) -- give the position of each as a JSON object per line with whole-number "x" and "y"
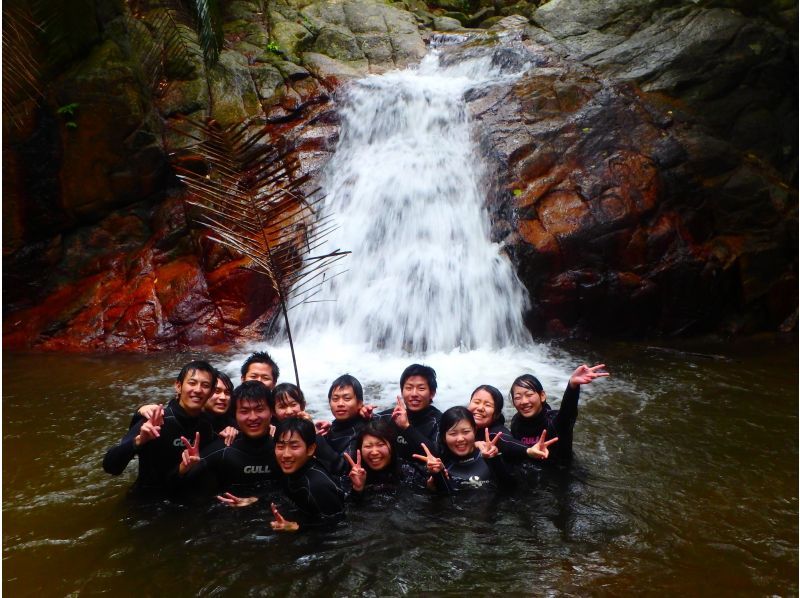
{"x": 535, "y": 417}
{"x": 218, "y": 408}
{"x": 463, "y": 465}
{"x": 318, "y": 498}
{"x": 486, "y": 406}
{"x": 346, "y": 400}
{"x": 158, "y": 440}
{"x": 247, "y": 467}
{"x": 418, "y": 389}
{"x": 261, "y": 367}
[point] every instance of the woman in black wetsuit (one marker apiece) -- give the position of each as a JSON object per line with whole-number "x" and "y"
{"x": 463, "y": 464}
{"x": 535, "y": 417}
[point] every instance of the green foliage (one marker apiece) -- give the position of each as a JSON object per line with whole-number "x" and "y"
{"x": 67, "y": 111}
{"x": 274, "y": 48}
{"x": 517, "y": 192}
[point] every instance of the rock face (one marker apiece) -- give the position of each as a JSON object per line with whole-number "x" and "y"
{"x": 645, "y": 166}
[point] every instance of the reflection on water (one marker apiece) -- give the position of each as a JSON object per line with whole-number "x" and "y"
{"x": 685, "y": 482}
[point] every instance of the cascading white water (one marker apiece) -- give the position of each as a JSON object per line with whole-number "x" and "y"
{"x": 424, "y": 282}
{"x": 404, "y": 185}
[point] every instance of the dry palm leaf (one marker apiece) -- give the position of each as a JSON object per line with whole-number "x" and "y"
{"x": 246, "y": 194}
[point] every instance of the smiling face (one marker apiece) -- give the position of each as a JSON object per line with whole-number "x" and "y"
{"x": 460, "y": 439}
{"x": 253, "y": 417}
{"x": 292, "y": 453}
{"x": 527, "y": 401}
{"x": 194, "y": 391}
{"x": 219, "y": 401}
{"x": 286, "y": 406}
{"x": 417, "y": 394}
{"x": 481, "y": 405}
{"x": 344, "y": 403}
{"x": 375, "y": 452}
{"x": 262, "y": 372}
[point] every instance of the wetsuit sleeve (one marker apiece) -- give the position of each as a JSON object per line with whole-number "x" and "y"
{"x": 567, "y": 414}
{"x": 326, "y": 501}
{"x": 330, "y": 459}
{"x": 409, "y": 442}
{"x": 511, "y": 448}
{"x": 117, "y": 457}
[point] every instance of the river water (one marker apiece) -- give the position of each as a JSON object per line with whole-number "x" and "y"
{"x": 685, "y": 479}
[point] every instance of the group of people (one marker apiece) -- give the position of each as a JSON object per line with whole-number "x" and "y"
{"x": 249, "y": 441}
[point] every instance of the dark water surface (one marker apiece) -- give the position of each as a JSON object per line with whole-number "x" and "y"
{"x": 685, "y": 482}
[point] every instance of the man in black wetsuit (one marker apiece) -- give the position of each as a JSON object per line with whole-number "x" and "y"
{"x": 247, "y": 468}
{"x": 157, "y": 441}
{"x": 415, "y": 417}
{"x": 318, "y": 498}
{"x": 261, "y": 367}
{"x": 346, "y": 399}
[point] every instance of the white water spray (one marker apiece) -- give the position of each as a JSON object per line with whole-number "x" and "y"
{"x": 405, "y": 188}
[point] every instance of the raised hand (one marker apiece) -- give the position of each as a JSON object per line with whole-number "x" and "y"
{"x": 280, "y": 524}
{"x": 358, "y": 475}
{"x": 228, "y": 435}
{"x": 322, "y": 427}
{"x": 235, "y": 501}
{"x": 584, "y": 374}
{"x": 150, "y": 429}
{"x": 400, "y": 414}
{"x": 150, "y": 411}
{"x": 366, "y": 411}
{"x": 489, "y": 448}
{"x": 540, "y": 450}
{"x": 305, "y": 415}
{"x": 433, "y": 463}
{"x": 191, "y": 455}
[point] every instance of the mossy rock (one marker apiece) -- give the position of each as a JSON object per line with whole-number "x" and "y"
{"x": 291, "y": 38}
{"x": 233, "y": 94}
{"x": 338, "y": 43}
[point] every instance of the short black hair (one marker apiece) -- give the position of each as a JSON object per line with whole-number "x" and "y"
{"x": 252, "y": 390}
{"x": 526, "y": 381}
{"x": 287, "y": 389}
{"x": 261, "y": 357}
{"x": 381, "y": 428}
{"x": 416, "y": 369}
{"x": 449, "y": 419}
{"x": 304, "y": 429}
{"x": 225, "y": 380}
{"x": 200, "y": 366}
{"x": 347, "y": 380}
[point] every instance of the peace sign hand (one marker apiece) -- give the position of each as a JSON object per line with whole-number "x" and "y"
{"x": 235, "y": 501}
{"x": 358, "y": 475}
{"x": 150, "y": 429}
{"x": 434, "y": 464}
{"x": 489, "y": 448}
{"x": 191, "y": 455}
{"x": 584, "y": 374}
{"x": 280, "y": 524}
{"x": 400, "y": 414}
{"x": 540, "y": 450}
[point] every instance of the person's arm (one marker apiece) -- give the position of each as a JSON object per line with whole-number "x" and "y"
{"x": 330, "y": 459}
{"x": 568, "y": 410}
{"x": 117, "y": 457}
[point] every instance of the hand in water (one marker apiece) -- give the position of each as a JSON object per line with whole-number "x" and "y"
{"x": 191, "y": 455}
{"x": 152, "y": 427}
{"x": 235, "y": 501}
{"x": 400, "y": 414}
{"x": 584, "y": 374}
{"x": 228, "y": 435}
{"x": 358, "y": 475}
{"x": 280, "y": 524}
{"x": 489, "y": 448}
{"x": 540, "y": 450}
{"x": 433, "y": 463}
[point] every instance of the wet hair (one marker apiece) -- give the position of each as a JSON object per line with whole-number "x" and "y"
{"x": 497, "y": 397}
{"x": 198, "y": 365}
{"x": 302, "y": 427}
{"x": 252, "y": 390}
{"x": 525, "y": 381}
{"x": 347, "y": 380}
{"x": 380, "y": 428}
{"x": 261, "y": 357}
{"x": 225, "y": 380}
{"x": 416, "y": 369}
{"x": 449, "y": 419}
{"x": 286, "y": 390}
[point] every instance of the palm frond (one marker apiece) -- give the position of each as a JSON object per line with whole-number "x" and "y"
{"x": 246, "y": 192}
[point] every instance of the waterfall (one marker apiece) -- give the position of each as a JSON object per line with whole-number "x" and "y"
{"x": 405, "y": 187}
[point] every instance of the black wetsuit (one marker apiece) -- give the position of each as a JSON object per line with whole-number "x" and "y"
{"x": 424, "y": 427}
{"x": 558, "y": 423}
{"x": 340, "y": 439}
{"x": 158, "y": 457}
{"x": 389, "y": 480}
{"x": 219, "y": 422}
{"x": 513, "y": 450}
{"x": 318, "y": 498}
{"x": 474, "y": 472}
{"x": 246, "y": 468}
